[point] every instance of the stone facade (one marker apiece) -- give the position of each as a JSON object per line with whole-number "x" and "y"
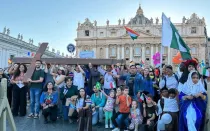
{"x": 112, "y": 41}
{"x": 15, "y": 47}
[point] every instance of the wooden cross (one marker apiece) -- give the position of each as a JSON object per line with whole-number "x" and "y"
{"x": 32, "y": 66}
{"x": 64, "y": 61}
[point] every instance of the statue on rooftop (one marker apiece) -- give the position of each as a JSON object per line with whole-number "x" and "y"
{"x": 119, "y": 21}
{"x": 107, "y": 22}
{"x": 157, "y": 20}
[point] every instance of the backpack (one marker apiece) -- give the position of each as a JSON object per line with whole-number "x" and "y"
{"x": 176, "y": 77}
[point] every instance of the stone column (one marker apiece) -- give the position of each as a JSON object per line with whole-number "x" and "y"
{"x": 123, "y": 50}
{"x": 156, "y": 46}
{"x": 78, "y": 51}
{"x": 143, "y": 52}
{"x": 107, "y": 52}
{"x": 118, "y": 51}
{"x": 169, "y": 55}
{"x": 131, "y": 52}
{"x": 152, "y": 53}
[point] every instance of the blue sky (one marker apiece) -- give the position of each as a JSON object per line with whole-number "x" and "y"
{"x": 55, "y": 21}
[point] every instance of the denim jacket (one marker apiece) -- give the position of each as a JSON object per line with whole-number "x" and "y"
{"x": 138, "y": 82}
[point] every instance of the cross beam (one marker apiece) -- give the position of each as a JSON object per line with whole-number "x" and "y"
{"x": 71, "y": 61}
{"x": 32, "y": 66}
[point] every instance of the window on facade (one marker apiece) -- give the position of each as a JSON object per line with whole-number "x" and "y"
{"x": 113, "y": 52}
{"x": 193, "y": 30}
{"x": 101, "y": 33}
{"x": 147, "y": 51}
{"x": 148, "y": 31}
{"x": 193, "y": 50}
{"x": 113, "y": 33}
{"x": 127, "y": 51}
{"x": 147, "y": 59}
{"x": 87, "y": 33}
{"x": 137, "y": 51}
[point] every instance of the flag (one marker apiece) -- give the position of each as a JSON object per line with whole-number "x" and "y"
{"x": 141, "y": 99}
{"x": 171, "y": 38}
{"x": 132, "y": 33}
{"x": 206, "y": 72}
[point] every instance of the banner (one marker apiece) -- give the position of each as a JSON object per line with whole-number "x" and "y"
{"x": 86, "y": 54}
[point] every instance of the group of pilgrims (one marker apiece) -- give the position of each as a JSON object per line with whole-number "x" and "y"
{"x": 114, "y": 97}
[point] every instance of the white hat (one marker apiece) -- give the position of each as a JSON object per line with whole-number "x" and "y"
{"x": 61, "y": 68}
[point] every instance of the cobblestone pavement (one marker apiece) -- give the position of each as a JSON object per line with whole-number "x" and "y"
{"x": 25, "y": 124}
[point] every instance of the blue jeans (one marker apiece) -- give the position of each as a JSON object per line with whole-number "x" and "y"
{"x": 65, "y": 112}
{"x": 122, "y": 119}
{"x": 98, "y": 116}
{"x": 34, "y": 100}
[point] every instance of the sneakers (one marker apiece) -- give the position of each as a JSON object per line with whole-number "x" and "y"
{"x": 36, "y": 116}
{"x": 111, "y": 125}
{"x": 106, "y": 126}
{"x": 31, "y": 115}
{"x": 46, "y": 121}
{"x": 116, "y": 129}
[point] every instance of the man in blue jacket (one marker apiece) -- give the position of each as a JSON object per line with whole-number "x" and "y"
{"x": 133, "y": 81}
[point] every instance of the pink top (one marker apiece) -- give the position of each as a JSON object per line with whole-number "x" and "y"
{"x": 19, "y": 78}
{"x": 109, "y": 104}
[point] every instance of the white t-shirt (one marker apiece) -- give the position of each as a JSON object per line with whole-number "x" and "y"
{"x": 170, "y": 105}
{"x": 79, "y": 80}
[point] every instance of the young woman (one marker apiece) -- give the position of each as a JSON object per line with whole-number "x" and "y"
{"x": 190, "y": 65}
{"x": 79, "y": 77}
{"x": 48, "y": 101}
{"x": 155, "y": 82}
{"x": 83, "y": 108}
{"x": 19, "y": 91}
{"x": 147, "y": 83}
{"x": 59, "y": 79}
{"x": 193, "y": 104}
{"x": 149, "y": 113}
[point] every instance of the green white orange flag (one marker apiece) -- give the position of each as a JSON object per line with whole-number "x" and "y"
{"x": 206, "y": 72}
{"x": 171, "y": 38}
{"x": 132, "y": 33}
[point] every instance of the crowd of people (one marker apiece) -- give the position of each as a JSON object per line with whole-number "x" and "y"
{"x": 117, "y": 97}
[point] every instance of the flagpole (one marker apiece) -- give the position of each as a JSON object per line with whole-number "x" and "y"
{"x": 161, "y": 52}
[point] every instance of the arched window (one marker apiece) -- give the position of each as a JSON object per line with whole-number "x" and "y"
{"x": 113, "y": 51}
{"x": 127, "y": 51}
{"x": 137, "y": 50}
{"x": 101, "y": 52}
{"x": 193, "y": 50}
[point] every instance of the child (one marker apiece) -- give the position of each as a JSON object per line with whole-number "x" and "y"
{"x": 136, "y": 117}
{"x": 171, "y": 107}
{"x": 108, "y": 109}
{"x": 149, "y": 112}
{"x": 124, "y": 102}
{"x": 193, "y": 103}
{"x": 160, "y": 105}
{"x": 83, "y": 108}
{"x": 116, "y": 107}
